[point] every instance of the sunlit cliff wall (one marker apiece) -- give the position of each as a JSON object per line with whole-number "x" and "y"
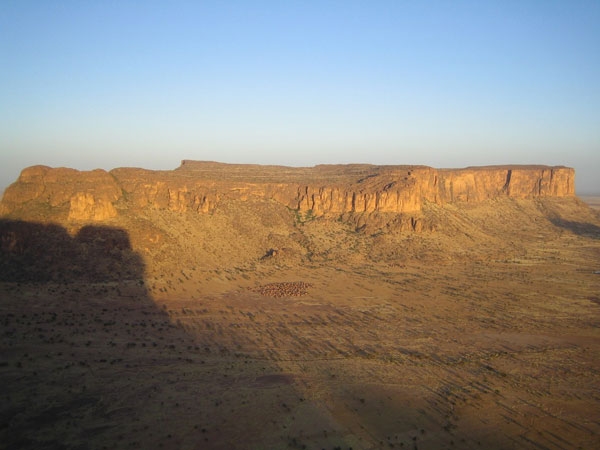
{"x": 329, "y": 191}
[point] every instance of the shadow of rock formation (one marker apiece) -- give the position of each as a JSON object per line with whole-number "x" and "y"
{"x": 580, "y": 228}
{"x": 91, "y": 360}
{"x": 36, "y": 252}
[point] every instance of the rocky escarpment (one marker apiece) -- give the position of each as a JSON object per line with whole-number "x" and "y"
{"x": 329, "y": 190}
{"x": 207, "y": 216}
{"x": 80, "y": 196}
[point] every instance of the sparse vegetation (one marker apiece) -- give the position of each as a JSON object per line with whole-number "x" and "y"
{"x": 394, "y": 338}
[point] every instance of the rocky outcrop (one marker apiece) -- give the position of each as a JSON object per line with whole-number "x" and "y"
{"x": 480, "y": 183}
{"x": 86, "y": 196}
{"x": 330, "y": 190}
{"x": 86, "y": 206}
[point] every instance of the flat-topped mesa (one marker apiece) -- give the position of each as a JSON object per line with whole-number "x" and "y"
{"x": 324, "y": 190}
{"x": 404, "y": 189}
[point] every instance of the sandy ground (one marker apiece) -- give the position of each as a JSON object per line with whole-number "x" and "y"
{"x": 469, "y": 353}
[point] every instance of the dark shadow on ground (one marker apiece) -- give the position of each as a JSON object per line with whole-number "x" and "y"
{"x": 90, "y": 360}
{"x": 35, "y": 252}
{"x": 589, "y": 230}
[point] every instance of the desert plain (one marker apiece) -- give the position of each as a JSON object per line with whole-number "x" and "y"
{"x": 238, "y": 310}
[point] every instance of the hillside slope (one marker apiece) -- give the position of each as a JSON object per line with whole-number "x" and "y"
{"x": 207, "y": 216}
{"x": 233, "y": 307}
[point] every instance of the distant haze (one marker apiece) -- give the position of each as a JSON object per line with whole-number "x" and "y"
{"x": 445, "y": 84}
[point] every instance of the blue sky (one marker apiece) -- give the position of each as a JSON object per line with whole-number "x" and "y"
{"x": 441, "y": 83}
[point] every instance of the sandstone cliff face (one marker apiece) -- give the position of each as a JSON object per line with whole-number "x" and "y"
{"x": 480, "y": 183}
{"x": 330, "y": 191}
{"x": 87, "y": 196}
{"x": 404, "y": 191}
